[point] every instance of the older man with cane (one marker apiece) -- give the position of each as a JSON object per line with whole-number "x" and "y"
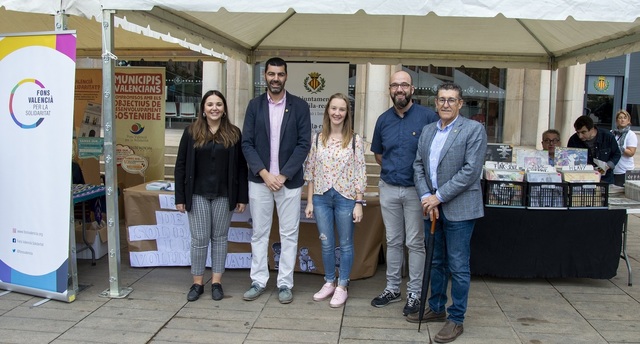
{"x": 447, "y": 174}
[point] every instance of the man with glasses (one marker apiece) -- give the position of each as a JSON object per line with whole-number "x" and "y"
{"x": 395, "y": 140}
{"x": 551, "y": 140}
{"x": 600, "y": 144}
{"x": 448, "y": 167}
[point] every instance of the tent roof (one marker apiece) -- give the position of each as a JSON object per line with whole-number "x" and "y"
{"x": 129, "y": 44}
{"x": 474, "y": 33}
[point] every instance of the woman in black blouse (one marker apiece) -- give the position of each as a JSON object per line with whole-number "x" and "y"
{"x": 211, "y": 182}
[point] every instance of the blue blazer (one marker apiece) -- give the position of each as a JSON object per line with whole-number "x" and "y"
{"x": 295, "y": 139}
{"x": 459, "y": 168}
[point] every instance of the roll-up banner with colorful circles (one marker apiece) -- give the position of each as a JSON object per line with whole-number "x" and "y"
{"x": 36, "y": 123}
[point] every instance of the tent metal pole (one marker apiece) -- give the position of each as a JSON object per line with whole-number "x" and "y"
{"x": 553, "y": 97}
{"x": 61, "y": 21}
{"x": 625, "y": 83}
{"x": 110, "y": 163}
{"x": 72, "y": 285}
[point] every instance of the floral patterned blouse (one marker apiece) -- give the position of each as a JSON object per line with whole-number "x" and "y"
{"x": 335, "y": 167}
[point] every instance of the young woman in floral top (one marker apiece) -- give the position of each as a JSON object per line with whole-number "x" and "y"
{"x": 336, "y": 175}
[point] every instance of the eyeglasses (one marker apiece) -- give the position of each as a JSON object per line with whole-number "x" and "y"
{"x": 551, "y": 141}
{"x": 451, "y": 101}
{"x": 404, "y": 86}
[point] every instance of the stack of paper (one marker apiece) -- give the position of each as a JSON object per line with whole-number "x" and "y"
{"x": 159, "y": 185}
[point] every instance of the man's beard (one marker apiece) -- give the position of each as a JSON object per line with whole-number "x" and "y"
{"x": 276, "y": 89}
{"x": 400, "y": 104}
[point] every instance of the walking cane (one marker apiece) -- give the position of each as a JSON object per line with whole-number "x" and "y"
{"x": 426, "y": 278}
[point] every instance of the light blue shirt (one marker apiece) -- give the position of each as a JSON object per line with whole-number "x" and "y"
{"x": 434, "y": 154}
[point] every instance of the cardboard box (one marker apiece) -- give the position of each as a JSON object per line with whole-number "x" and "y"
{"x": 96, "y": 237}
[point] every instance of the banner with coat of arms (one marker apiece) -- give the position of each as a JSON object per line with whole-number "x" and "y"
{"x": 600, "y": 84}
{"x": 315, "y": 83}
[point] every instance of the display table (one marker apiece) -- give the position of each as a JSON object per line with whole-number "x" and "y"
{"x": 630, "y": 206}
{"x": 81, "y": 194}
{"x": 368, "y": 238}
{"x": 506, "y": 242}
{"x": 141, "y": 206}
{"x": 510, "y": 242}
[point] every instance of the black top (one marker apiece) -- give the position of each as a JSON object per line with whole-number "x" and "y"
{"x": 237, "y": 185}
{"x": 212, "y": 170}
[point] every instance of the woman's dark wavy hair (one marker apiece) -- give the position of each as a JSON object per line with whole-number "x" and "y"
{"x": 227, "y": 134}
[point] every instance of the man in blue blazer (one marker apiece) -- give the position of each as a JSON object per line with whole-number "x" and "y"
{"x": 275, "y": 141}
{"x": 447, "y": 173}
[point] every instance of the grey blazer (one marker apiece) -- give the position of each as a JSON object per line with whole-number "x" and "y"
{"x": 459, "y": 168}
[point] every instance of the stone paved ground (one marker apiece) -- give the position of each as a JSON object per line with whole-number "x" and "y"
{"x": 500, "y": 311}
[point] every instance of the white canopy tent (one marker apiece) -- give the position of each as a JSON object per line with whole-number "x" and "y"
{"x": 475, "y": 33}
{"x": 130, "y": 45}
{"x": 544, "y": 34}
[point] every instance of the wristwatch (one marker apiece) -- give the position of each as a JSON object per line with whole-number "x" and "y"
{"x": 362, "y": 201}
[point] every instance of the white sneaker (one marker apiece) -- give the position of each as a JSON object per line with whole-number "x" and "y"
{"x": 339, "y": 298}
{"x": 326, "y": 291}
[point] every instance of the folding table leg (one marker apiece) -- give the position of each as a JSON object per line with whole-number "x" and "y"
{"x": 84, "y": 237}
{"x": 623, "y": 254}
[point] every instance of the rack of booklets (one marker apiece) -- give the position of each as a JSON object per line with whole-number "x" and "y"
{"x": 530, "y": 181}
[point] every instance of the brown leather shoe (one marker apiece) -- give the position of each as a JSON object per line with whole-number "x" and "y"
{"x": 429, "y": 316}
{"x": 449, "y": 332}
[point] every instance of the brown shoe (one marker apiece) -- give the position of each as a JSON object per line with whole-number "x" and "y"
{"x": 429, "y": 316}
{"x": 449, "y": 332}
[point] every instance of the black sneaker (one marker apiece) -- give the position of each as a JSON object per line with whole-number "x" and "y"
{"x": 413, "y": 304}
{"x": 195, "y": 292}
{"x": 385, "y": 298}
{"x": 216, "y": 292}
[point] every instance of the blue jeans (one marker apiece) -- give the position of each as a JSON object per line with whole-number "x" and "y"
{"x": 327, "y": 208}
{"x": 452, "y": 249}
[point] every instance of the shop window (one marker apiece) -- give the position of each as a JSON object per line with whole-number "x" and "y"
{"x": 183, "y": 79}
{"x": 634, "y": 111}
{"x": 483, "y": 91}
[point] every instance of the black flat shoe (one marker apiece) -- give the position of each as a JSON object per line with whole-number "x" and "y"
{"x": 195, "y": 292}
{"x": 216, "y": 292}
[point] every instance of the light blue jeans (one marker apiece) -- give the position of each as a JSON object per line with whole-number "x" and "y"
{"x": 329, "y": 208}
{"x": 452, "y": 250}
